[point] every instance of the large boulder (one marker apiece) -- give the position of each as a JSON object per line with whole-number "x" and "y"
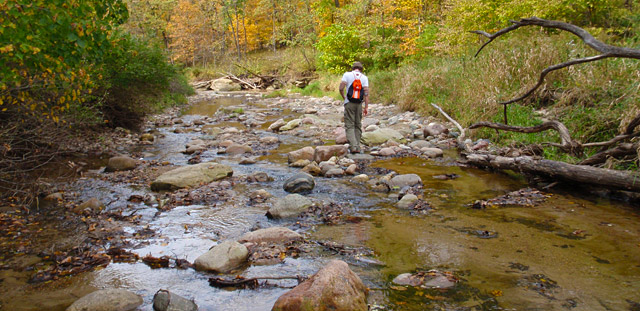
{"x": 270, "y": 235}
{"x": 324, "y": 153}
{"x": 290, "y": 206}
{"x": 335, "y": 287}
{"x": 380, "y": 136}
{"x": 107, "y": 300}
{"x": 192, "y": 175}
{"x": 222, "y": 258}
{"x": 121, "y": 163}
{"x": 305, "y": 153}
{"x": 165, "y": 300}
{"x": 405, "y": 180}
{"x": 224, "y": 85}
{"x": 298, "y": 183}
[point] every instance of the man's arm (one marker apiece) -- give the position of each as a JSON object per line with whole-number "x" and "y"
{"x": 366, "y": 100}
{"x": 343, "y": 85}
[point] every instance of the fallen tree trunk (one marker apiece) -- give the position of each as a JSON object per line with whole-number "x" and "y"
{"x": 606, "y": 178}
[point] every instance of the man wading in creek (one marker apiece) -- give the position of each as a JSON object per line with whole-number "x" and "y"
{"x": 357, "y": 85}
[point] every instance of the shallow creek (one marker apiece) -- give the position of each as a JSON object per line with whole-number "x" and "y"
{"x": 569, "y": 253}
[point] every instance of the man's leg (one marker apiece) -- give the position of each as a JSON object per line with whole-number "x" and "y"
{"x": 350, "y": 114}
{"x": 358, "y": 126}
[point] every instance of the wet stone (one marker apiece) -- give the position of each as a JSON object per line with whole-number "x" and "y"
{"x": 165, "y": 300}
{"x": 299, "y": 183}
{"x": 107, "y": 300}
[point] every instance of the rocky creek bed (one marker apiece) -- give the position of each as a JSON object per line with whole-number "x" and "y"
{"x": 231, "y": 202}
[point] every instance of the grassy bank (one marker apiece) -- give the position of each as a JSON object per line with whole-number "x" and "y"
{"x": 595, "y": 100}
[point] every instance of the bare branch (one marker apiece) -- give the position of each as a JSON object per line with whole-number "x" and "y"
{"x": 462, "y": 134}
{"x": 620, "y": 151}
{"x": 568, "y": 144}
{"x": 606, "y": 50}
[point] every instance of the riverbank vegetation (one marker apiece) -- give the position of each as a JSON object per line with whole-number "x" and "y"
{"x": 68, "y": 71}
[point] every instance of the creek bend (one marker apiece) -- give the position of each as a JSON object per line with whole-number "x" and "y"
{"x": 569, "y": 252}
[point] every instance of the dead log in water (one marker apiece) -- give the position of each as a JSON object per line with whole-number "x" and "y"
{"x": 605, "y": 178}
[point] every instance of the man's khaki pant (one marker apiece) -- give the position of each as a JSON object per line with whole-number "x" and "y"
{"x": 353, "y": 124}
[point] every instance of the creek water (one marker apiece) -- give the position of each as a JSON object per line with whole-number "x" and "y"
{"x": 571, "y": 252}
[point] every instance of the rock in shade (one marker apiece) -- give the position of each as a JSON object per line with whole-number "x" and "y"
{"x": 165, "y": 300}
{"x": 121, "y": 163}
{"x": 270, "y": 235}
{"x": 192, "y": 175}
{"x": 289, "y": 206}
{"x": 92, "y": 205}
{"x": 299, "y": 183}
{"x": 335, "y": 287}
{"x": 223, "y": 257}
{"x": 107, "y": 300}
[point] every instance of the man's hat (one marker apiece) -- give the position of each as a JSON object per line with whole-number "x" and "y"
{"x": 357, "y": 65}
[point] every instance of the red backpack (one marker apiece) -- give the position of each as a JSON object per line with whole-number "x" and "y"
{"x": 354, "y": 93}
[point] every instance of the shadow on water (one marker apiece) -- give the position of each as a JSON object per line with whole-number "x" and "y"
{"x": 567, "y": 253}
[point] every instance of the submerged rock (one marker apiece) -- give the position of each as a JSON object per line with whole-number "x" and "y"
{"x": 107, "y": 300}
{"x": 192, "y": 175}
{"x": 427, "y": 279}
{"x": 289, "y": 206}
{"x": 299, "y": 183}
{"x": 165, "y": 300}
{"x": 223, "y": 257}
{"x": 335, "y": 287}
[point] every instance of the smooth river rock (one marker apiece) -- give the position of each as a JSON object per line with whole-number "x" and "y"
{"x": 404, "y": 180}
{"x": 107, "y": 300}
{"x": 406, "y": 201}
{"x": 324, "y": 153}
{"x": 290, "y": 206}
{"x": 305, "y": 153}
{"x": 191, "y": 175}
{"x": 165, "y": 300}
{"x": 299, "y": 183}
{"x": 223, "y": 257}
{"x": 335, "y": 287}
{"x": 380, "y": 136}
{"x": 121, "y": 163}
{"x": 291, "y": 125}
{"x": 270, "y": 235}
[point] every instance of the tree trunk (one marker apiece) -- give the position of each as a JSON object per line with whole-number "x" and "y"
{"x": 584, "y": 174}
{"x": 273, "y": 23}
{"x": 246, "y": 42}
{"x": 337, "y": 2}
